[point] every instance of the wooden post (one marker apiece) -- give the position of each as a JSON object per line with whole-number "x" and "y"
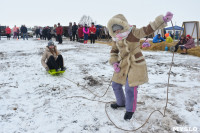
{"x": 181, "y": 31}
{"x": 173, "y": 30}
{"x": 184, "y": 30}
{"x": 197, "y": 27}
{"x": 193, "y": 29}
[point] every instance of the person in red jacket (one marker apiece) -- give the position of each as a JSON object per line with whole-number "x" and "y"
{"x": 92, "y": 30}
{"x": 8, "y": 32}
{"x": 80, "y": 33}
{"x": 59, "y": 32}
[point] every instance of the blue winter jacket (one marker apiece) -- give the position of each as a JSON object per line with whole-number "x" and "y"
{"x": 157, "y": 40}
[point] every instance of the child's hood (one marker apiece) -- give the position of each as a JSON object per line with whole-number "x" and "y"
{"x": 118, "y": 19}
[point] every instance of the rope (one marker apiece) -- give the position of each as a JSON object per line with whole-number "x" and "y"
{"x": 89, "y": 89}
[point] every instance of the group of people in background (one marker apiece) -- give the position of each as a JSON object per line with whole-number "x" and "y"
{"x": 16, "y": 32}
{"x": 184, "y": 43}
{"x": 76, "y": 32}
{"x": 80, "y": 33}
{"x": 168, "y": 38}
{"x": 48, "y": 33}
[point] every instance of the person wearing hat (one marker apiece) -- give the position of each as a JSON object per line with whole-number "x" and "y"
{"x": 52, "y": 59}
{"x": 188, "y": 45}
{"x": 127, "y": 59}
{"x": 168, "y": 38}
{"x": 92, "y": 33}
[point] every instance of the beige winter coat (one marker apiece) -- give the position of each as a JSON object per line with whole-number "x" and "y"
{"x": 46, "y": 56}
{"x": 127, "y": 51}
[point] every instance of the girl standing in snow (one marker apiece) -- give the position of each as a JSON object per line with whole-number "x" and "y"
{"x": 86, "y": 33}
{"x": 52, "y": 59}
{"x": 127, "y": 59}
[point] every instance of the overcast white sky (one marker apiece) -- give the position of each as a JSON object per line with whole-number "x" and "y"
{"x": 137, "y": 12}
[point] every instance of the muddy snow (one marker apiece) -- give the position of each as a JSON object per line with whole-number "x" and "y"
{"x": 33, "y": 101}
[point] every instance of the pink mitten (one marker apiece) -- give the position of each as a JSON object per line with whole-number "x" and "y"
{"x": 168, "y": 17}
{"x": 116, "y": 67}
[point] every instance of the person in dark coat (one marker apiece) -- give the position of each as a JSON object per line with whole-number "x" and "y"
{"x": 182, "y": 41}
{"x": 48, "y": 33}
{"x": 24, "y": 32}
{"x": 74, "y": 31}
{"x": 37, "y": 32}
{"x": 44, "y": 33}
{"x": 17, "y": 32}
{"x": 59, "y": 32}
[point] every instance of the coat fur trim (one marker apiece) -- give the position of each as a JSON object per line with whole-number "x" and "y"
{"x": 120, "y": 20}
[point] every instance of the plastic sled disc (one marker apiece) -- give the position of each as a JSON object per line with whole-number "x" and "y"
{"x": 53, "y": 72}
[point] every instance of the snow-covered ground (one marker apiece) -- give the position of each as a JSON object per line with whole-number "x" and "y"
{"x": 33, "y": 101}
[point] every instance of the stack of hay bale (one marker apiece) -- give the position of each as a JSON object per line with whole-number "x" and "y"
{"x": 161, "y": 47}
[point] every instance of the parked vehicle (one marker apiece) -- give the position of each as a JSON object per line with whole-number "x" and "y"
{"x": 3, "y": 31}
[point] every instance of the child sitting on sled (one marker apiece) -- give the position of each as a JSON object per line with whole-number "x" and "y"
{"x": 127, "y": 59}
{"x": 52, "y": 59}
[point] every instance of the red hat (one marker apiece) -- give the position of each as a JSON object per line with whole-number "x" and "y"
{"x": 188, "y": 36}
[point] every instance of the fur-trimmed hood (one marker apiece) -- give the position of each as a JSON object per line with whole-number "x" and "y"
{"x": 118, "y": 19}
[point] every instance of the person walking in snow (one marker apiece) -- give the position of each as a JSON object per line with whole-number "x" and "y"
{"x": 52, "y": 59}
{"x": 74, "y": 31}
{"x": 59, "y": 32}
{"x": 80, "y": 33}
{"x": 18, "y": 32}
{"x": 24, "y": 32}
{"x": 41, "y": 33}
{"x": 53, "y": 32}
{"x": 92, "y": 33}
{"x": 70, "y": 31}
{"x": 8, "y": 32}
{"x": 49, "y": 36}
{"x": 86, "y": 33}
{"x": 127, "y": 59}
{"x": 15, "y": 32}
{"x": 37, "y": 32}
{"x": 44, "y": 33}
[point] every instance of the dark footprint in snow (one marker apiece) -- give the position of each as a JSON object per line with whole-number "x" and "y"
{"x": 92, "y": 81}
